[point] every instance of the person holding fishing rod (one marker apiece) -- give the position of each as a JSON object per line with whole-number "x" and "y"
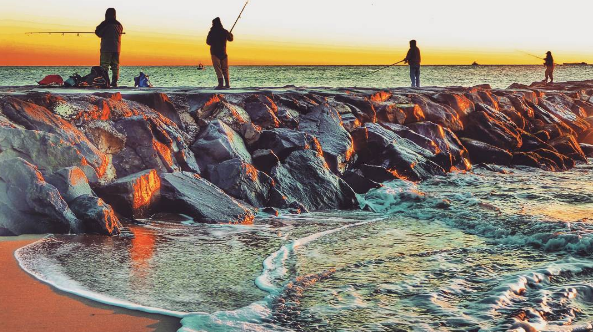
{"x": 413, "y": 59}
{"x": 110, "y": 32}
{"x": 217, "y": 39}
{"x": 549, "y": 64}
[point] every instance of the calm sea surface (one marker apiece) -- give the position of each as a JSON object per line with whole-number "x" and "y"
{"x": 313, "y": 76}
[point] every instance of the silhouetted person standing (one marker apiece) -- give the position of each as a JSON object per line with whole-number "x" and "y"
{"x": 413, "y": 59}
{"x": 217, "y": 39}
{"x": 549, "y": 67}
{"x": 110, "y": 32}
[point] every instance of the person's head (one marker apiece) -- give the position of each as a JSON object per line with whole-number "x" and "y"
{"x": 216, "y": 23}
{"x": 549, "y": 53}
{"x": 412, "y": 43}
{"x": 110, "y": 14}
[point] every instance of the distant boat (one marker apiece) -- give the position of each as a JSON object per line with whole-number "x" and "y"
{"x": 575, "y": 64}
{"x": 475, "y": 64}
{"x": 200, "y": 67}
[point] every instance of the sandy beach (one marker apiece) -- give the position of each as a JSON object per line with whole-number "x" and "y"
{"x": 29, "y": 305}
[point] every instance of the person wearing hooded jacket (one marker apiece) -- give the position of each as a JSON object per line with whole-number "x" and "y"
{"x": 217, "y": 39}
{"x": 549, "y": 64}
{"x": 413, "y": 59}
{"x": 110, "y": 32}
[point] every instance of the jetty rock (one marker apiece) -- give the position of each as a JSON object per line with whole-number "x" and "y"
{"x": 86, "y": 161}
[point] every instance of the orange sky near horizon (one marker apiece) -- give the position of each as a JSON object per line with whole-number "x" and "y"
{"x": 305, "y": 32}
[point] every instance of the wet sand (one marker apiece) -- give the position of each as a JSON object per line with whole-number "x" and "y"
{"x": 27, "y": 304}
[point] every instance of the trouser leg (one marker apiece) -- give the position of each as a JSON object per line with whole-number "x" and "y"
{"x": 225, "y": 72}
{"x": 114, "y": 68}
{"x": 412, "y": 76}
{"x": 418, "y": 77}
{"x": 105, "y": 61}
{"x": 217, "y": 64}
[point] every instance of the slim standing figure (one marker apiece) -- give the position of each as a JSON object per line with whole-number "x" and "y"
{"x": 110, "y": 32}
{"x": 413, "y": 59}
{"x": 549, "y": 67}
{"x": 217, "y": 39}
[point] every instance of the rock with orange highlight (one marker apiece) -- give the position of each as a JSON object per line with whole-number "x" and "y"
{"x": 134, "y": 196}
{"x": 232, "y": 115}
{"x": 159, "y": 102}
{"x": 216, "y": 143}
{"x": 242, "y": 181}
{"x": 442, "y": 114}
{"x": 484, "y": 153}
{"x": 568, "y": 146}
{"x": 493, "y": 127}
{"x": 451, "y": 152}
{"x": 324, "y": 123}
{"x": 30, "y": 205}
{"x": 96, "y": 216}
{"x": 360, "y": 106}
{"x": 284, "y": 141}
{"x": 587, "y": 149}
{"x": 304, "y": 177}
{"x": 190, "y": 194}
{"x": 262, "y": 111}
{"x": 34, "y": 117}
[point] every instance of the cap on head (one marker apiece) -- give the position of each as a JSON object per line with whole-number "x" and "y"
{"x": 110, "y": 13}
{"x": 549, "y": 53}
{"x": 413, "y": 43}
{"x": 216, "y": 22}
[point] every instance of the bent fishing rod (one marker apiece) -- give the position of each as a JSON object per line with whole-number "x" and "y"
{"x": 241, "y": 13}
{"x": 391, "y": 65}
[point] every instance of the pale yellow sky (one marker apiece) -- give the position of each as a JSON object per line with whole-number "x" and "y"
{"x": 304, "y": 31}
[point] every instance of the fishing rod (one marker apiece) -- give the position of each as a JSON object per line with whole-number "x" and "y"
{"x": 391, "y": 65}
{"x": 241, "y": 13}
{"x": 532, "y": 55}
{"x": 61, "y": 32}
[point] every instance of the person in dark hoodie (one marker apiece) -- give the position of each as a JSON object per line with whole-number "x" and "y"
{"x": 217, "y": 39}
{"x": 549, "y": 64}
{"x": 110, "y": 32}
{"x": 413, "y": 59}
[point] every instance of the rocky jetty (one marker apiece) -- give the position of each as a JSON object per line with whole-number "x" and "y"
{"x": 75, "y": 161}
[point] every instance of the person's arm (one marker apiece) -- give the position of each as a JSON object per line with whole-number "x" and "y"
{"x": 99, "y": 29}
{"x": 119, "y": 28}
{"x": 230, "y": 37}
{"x": 407, "y": 58}
{"x": 209, "y": 38}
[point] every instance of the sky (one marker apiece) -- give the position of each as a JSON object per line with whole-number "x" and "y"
{"x": 302, "y": 32}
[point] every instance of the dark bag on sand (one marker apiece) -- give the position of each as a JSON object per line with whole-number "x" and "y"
{"x": 98, "y": 78}
{"x": 73, "y": 81}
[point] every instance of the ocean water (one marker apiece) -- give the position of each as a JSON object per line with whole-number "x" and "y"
{"x": 313, "y": 76}
{"x": 495, "y": 249}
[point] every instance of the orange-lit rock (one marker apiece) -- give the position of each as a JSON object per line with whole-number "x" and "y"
{"x": 134, "y": 196}
{"x": 243, "y": 181}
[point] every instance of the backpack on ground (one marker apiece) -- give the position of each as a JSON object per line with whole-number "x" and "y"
{"x": 73, "y": 81}
{"x": 142, "y": 81}
{"x": 53, "y": 80}
{"x": 98, "y": 78}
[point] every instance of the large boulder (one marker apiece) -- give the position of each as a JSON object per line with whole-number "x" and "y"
{"x": 34, "y": 117}
{"x": 133, "y": 196}
{"x": 361, "y": 107}
{"x": 493, "y": 127}
{"x": 188, "y": 193}
{"x": 151, "y": 144}
{"x": 325, "y": 124}
{"x": 378, "y": 146}
{"x": 484, "y": 153}
{"x": 451, "y": 152}
{"x": 48, "y": 152}
{"x": 159, "y": 102}
{"x": 284, "y": 141}
{"x": 29, "y": 205}
{"x": 262, "y": 110}
{"x": 305, "y": 177}
{"x": 216, "y": 143}
{"x": 220, "y": 109}
{"x": 564, "y": 114}
{"x": 457, "y": 101}
{"x": 96, "y": 215}
{"x": 568, "y": 146}
{"x": 587, "y": 149}
{"x": 438, "y": 113}
{"x": 71, "y": 182}
{"x": 242, "y": 181}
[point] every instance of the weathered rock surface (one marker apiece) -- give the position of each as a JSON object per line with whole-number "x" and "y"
{"x": 216, "y": 143}
{"x": 133, "y": 196}
{"x": 304, "y": 177}
{"x": 242, "y": 181}
{"x": 28, "y": 204}
{"x": 190, "y": 194}
{"x": 484, "y": 153}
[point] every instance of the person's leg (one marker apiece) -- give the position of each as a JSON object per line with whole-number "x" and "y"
{"x": 418, "y": 76}
{"x": 551, "y": 74}
{"x": 225, "y": 72}
{"x": 412, "y": 76}
{"x": 216, "y": 63}
{"x": 105, "y": 60}
{"x": 114, "y": 69}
